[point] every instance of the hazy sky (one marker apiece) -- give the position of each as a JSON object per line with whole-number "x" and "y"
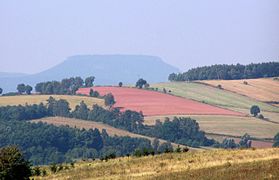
{"x": 37, "y": 34}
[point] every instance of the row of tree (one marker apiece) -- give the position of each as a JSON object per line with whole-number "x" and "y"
{"x": 228, "y": 72}
{"x": 66, "y": 86}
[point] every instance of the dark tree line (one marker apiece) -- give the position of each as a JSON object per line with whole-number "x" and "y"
{"x": 180, "y": 130}
{"x": 44, "y": 144}
{"x": 66, "y": 86}
{"x": 228, "y": 72}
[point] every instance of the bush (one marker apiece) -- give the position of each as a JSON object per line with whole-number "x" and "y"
{"x": 254, "y": 110}
{"x": 219, "y": 86}
{"x": 13, "y": 165}
{"x": 109, "y": 99}
{"x": 245, "y": 82}
{"x": 261, "y": 116}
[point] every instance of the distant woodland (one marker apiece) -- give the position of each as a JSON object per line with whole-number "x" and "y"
{"x": 228, "y": 72}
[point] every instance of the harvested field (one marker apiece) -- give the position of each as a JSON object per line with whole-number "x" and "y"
{"x": 212, "y": 95}
{"x": 264, "y": 89}
{"x": 229, "y": 125}
{"x": 153, "y": 103}
{"x": 37, "y": 99}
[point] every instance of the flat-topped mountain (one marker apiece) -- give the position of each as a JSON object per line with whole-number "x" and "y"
{"x": 108, "y": 70}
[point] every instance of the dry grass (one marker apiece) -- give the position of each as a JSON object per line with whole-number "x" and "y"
{"x": 229, "y": 125}
{"x": 77, "y": 123}
{"x": 37, "y": 99}
{"x": 213, "y": 164}
{"x": 264, "y": 89}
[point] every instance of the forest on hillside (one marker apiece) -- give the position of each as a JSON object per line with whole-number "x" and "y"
{"x": 228, "y": 72}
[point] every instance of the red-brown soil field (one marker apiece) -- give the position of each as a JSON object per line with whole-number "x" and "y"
{"x": 153, "y": 103}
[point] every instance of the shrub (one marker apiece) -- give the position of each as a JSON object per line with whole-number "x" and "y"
{"x": 261, "y": 116}
{"x": 13, "y": 165}
{"x": 254, "y": 110}
{"x": 219, "y": 86}
{"x": 245, "y": 82}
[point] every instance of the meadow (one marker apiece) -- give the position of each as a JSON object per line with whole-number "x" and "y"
{"x": 211, "y": 95}
{"x": 37, "y": 99}
{"x": 213, "y": 164}
{"x": 263, "y": 89}
{"x": 229, "y": 125}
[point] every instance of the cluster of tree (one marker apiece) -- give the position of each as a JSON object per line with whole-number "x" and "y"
{"x": 227, "y": 72}
{"x": 276, "y": 140}
{"x": 1, "y": 90}
{"x": 66, "y": 86}
{"x": 180, "y": 130}
{"x": 22, "y": 88}
{"x": 142, "y": 83}
{"x": 26, "y": 112}
{"x": 229, "y": 143}
{"x": 43, "y": 144}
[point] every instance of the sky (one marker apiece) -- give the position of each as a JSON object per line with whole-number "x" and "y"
{"x": 36, "y": 35}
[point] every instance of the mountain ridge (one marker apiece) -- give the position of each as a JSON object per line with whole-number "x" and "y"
{"x": 108, "y": 70}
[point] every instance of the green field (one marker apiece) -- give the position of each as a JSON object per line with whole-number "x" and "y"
{"x": 212, "y": 164}
{"x": 229, "y": 125}
{"x": 211, "y": 95}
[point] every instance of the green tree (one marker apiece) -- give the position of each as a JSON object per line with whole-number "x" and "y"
{"x": 93, "y": 93}
{"x": 21, "y": 88}
{"x": 255, "y": 110}
{"x": 28, "y": 89}
{"x": 13, "y": 165}
{"x": 89, "y": 81}
{"x": 276, "y": 140}
{"x": 140, "y": 83}
{"x": 1, "y": 90}
{"x": 245, "y": 141}
{"x": 109, "y": 99}
{"x": 120, "y": 84}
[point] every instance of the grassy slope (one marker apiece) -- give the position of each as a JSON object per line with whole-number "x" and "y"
{"x": 37, "y": 99}
{"x": 214, "y": 164}
{"x": 230, "y": 125}
{"x": 263, "y": 89}
{"x": 214, "y": 96}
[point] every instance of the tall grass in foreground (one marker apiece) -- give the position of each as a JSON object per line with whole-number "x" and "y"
{"x": 213, "y": 164}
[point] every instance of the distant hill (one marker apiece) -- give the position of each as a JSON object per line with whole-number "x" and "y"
{"x": 108, "y": 70}
{"x": 8, "y": 74}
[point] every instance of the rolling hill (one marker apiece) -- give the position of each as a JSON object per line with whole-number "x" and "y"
{"x": 215, "y": 164}
{"x": 263, "y": 89}
{"x": 108, "y": 70}
{"x": 153, "y": 103}
{"x": 212, "y": 95}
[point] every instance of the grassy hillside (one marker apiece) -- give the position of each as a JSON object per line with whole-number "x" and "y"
{"x": 230, "y": 125}
{"x": 264, "y": 89}
{"x": 214, "y": 96}
{"x": 37, "y": 99}
{"x": 214, "y": 164}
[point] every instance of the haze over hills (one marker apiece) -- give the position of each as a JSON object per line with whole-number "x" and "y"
{"x": 108, "y": 70}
